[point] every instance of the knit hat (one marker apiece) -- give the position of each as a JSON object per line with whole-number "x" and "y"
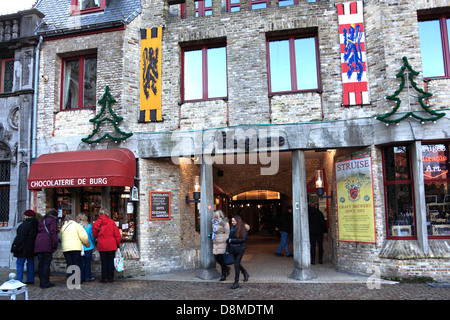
{"x": 30, "y": 213}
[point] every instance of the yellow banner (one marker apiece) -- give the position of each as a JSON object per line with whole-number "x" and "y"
{"x": 150, "y": 88}
{"x": 356, "y": 212}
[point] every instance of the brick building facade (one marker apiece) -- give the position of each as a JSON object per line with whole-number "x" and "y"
{"x": 314, "y": 122}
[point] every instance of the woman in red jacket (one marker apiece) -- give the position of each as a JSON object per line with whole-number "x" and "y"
{"x": 108, "y": 240}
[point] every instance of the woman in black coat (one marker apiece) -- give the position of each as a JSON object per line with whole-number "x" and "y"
{"x": 237, "y": 240}
{"x": 23, "y": 246}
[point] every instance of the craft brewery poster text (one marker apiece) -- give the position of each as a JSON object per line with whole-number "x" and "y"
{"x": 356, "y": 212}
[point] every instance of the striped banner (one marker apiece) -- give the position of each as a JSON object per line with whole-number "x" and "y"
{"x": 353, "y": 53}
{"x": 150, "y": 88}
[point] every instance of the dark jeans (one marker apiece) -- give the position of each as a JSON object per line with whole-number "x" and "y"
{"x": 45, "y": 259}
{"x": 86, "y": 260}
{"x": 72, "y": 258}
{"x": 107, "y": 259}
{"x": 237, "y": 264}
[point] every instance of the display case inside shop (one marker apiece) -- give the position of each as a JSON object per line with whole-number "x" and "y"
{"x": 123, "y": 213}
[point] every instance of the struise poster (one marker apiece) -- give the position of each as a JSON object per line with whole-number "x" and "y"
{"x": 356, "y": 214}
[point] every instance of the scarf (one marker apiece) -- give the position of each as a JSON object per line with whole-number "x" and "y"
{"x": 215, "y": 226}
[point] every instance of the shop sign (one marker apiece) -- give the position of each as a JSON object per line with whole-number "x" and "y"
{"x": 356, "y": 211}
{"x": 68, "y": 182}
{"x": 159, "y": 205}
{"x": 435, "y": 161}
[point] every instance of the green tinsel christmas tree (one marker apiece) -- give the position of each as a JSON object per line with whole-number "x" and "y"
{"x": 106, "y": 116}
{"x": 407, "y": 72}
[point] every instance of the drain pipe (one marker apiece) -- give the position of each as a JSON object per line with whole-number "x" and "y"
{"x": 35, "y": 98}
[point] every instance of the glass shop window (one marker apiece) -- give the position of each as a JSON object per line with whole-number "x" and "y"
{"x": 399, "y": 193}
{"x": 123, "y": 213}
{"x": 435, "y": 159}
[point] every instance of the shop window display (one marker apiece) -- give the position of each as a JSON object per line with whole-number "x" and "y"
{"x": 400, "y": 216}
{"x": 122, "y": 209}
{"x": 435, "y": 159}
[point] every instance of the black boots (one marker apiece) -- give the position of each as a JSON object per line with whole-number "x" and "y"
{"x": 225, "y": 274}
{"x": 246, "y": 275}
{"x": 236, "y": 280}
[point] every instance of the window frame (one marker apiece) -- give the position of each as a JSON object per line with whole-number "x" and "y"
{"x": 233, "y": 5}
{"x": 294, "y": 2}
{"x": 204, "y": 48}
{"x": 74, "y": 7}
{"x": 409, "y": 182}
{"x": 256, "y": 2}
{"x": 293, "y": 70}
{"x": 202, "y": 9}
{"x": 81, "y": 59}
{"x": 5, "y": 187}
{"x": 442, "y": 18}
{"x": 2, "y": 75}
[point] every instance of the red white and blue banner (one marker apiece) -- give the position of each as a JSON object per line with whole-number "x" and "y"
{"x": 353, "y": 53}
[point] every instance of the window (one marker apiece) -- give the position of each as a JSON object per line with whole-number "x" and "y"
{"x": 283, "y": 3}
{"x": 203, "y": 8}
{"x": 434, "y": 46}
{"x": 6, "y": 75}
{"x": 4, "y": 192}
{"x": 204, "y": 73}
{"x": 258, "y": 4}
{"x": 79, "y": 77}
{"x": 399, "y": 193}
{"x": 233, "y": 5}
{"x": 87, "y": 6}
{"x": 437, "y": 188}
{"x": 293, "y": 64}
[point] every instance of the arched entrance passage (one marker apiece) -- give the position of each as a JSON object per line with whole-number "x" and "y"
{"x": 260, "y": 209}
{"x": 290, "y": 174}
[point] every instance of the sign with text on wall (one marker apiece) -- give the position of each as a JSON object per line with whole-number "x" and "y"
{"x": 159, "y": 205}
{"x": 356, "y": 211}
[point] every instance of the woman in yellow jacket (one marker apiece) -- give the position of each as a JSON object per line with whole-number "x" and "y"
{"x": 73, "y": 236}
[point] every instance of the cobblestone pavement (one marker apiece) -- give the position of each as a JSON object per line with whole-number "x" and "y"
{"x": 137, "y": 289}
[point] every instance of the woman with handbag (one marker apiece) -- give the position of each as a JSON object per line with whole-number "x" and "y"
{"x": 108, "y": 240}
{"x": 237, "y": 241}
{"x": 219, "y": 236}
{"x": 45, "y": 244}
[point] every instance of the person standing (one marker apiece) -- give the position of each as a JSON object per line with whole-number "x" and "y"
{"x": 86, "y": 259}
{"x": 23, "y": 246}
{"x": 73, "y": 236}
{"x": 284, "y": 226}
{"x": 219, "y": 236}
{"x": 317, "y": 228}
{"x": 237, "y": 241}
{"x": 108, "y": 240}
{"x": 45, "y": 244}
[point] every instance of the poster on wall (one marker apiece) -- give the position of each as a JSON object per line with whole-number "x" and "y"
{"x": 356, "y": 212}
{"x": 159, "y": 205}
{"x": 150, "y": 75}
{"x": 353, "y": 53}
